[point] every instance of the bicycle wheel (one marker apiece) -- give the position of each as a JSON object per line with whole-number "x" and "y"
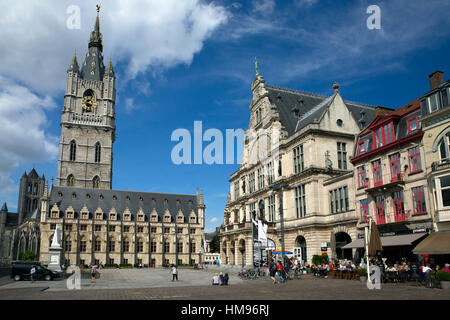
{"x": 252, "y": 274}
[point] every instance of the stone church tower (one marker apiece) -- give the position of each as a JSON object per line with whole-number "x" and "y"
{"x": 88, "y": 120}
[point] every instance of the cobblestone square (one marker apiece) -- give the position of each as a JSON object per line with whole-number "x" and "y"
{"x": 156, "y": 284}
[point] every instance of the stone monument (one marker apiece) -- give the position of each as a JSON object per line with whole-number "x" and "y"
{"x": 55, "y": 251}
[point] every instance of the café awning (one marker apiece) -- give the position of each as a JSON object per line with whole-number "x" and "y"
{"x": 389, "y": 241}
{"x": 436, "y": 243}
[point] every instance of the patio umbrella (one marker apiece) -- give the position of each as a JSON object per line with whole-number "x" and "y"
{"x": 374, "y": 240}
{"x": 278, "y": 251}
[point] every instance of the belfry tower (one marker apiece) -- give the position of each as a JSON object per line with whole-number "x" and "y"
{"x": 88, "y": 120}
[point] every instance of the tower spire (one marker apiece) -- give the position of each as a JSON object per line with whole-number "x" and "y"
{"x": 93, "y": 67}
{"x": 96, "y": 37}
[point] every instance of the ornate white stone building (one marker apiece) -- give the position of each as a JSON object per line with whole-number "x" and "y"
{"x": 300, "y": 142}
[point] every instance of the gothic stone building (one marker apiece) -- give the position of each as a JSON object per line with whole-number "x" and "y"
{"x": 311, "y": 159}
{"x": 100, "y": 225}
{"x": 20, "y": 232}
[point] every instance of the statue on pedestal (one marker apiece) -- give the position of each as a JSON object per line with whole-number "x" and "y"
{"x": 55, "y": 251}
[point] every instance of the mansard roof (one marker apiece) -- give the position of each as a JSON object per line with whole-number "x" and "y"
{"x": 310, "y": 106}
{"x": 133, "y": 200}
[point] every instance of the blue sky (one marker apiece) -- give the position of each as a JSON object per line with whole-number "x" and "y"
{"x": 180, "y": 62}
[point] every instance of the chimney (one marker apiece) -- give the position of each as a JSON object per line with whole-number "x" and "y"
{"x": 382, "y": 111}
{"x": 436, "y": 79}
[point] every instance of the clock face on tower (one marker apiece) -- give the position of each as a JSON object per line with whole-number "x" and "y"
{"x": 88, "y": 103}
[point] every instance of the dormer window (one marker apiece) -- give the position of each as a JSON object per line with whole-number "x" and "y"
{"x": 99, "y": 216}
{"x": 412, "y": 124}
{"x": 383, "y": 135}
{"x": 180, "y": 219}
{"x": 167, "y": 218}
{"x": 362, "y": 146}
{"x": 114, "y": 197}
{"x": 127, "y": 198}
{"x": 112, "y": 216}
{"x": 55, "y": 214}
{"x": 84, "y": 215}
{"x": 141, "y": 217}
{"x": 69, "y": 214}
{"x": 101, "y": 197}
{"x": 433, "y": 102}
{"x": 193, "y": 219}
{"x": 127, "y": 217}
{"x": 154, "y": 218}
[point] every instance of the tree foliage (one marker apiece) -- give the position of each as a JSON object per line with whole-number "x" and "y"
{"x": 27, "y": 256}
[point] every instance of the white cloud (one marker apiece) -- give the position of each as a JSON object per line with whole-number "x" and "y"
{"x": 22, "y": 136}
{"x": 36, "y": 46}
{"x": 263, "y": 7}
{"x": 130, "y": 105}
{"x": 213, "y": 220}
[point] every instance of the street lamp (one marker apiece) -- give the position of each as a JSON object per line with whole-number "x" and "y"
{"x": 279, "y": 188}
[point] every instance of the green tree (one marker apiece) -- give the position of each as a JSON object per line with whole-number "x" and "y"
{"x": 215, "y": 244}
{"x": 27, "y": 256}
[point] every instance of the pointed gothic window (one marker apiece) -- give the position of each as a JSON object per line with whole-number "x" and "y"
{"x": 73, "y": 150}
{"x": 70, "y": 179}
{"x": 96, "y": 182}
{"x": 97, "y": 152}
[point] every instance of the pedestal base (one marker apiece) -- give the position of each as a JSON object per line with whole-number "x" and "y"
{"x": 55, "y": 259}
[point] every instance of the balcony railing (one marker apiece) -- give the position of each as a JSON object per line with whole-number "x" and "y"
{"x": 440, "y": 165}
{"x": 397, "y": 178}
{"x": 400, "y": 217}
{"x": 387, "y": 182}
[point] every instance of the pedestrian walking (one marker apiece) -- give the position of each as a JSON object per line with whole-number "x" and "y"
{"x": 93, "y": 272}
{"x": 32, "y": 273}
{"x": 174, "y": 273}
{"x": 280, "y": 270}
{"x": 221, "y": 278}
{"x": 272, "y": 270}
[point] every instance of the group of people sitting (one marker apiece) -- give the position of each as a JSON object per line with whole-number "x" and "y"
{"x": 397, "y": 267}
{"x": 220, "y": 279}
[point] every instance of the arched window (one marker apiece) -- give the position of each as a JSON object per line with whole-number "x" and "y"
{"x": 70, "y": 180}
{"x": 97, "y": 152}
{"x": 444, "y": 147}
{"x": 96, "y": 182}
{"x": 73, "y": 150}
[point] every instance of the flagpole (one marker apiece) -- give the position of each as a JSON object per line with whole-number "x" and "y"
{"x": 366, "y": 235}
